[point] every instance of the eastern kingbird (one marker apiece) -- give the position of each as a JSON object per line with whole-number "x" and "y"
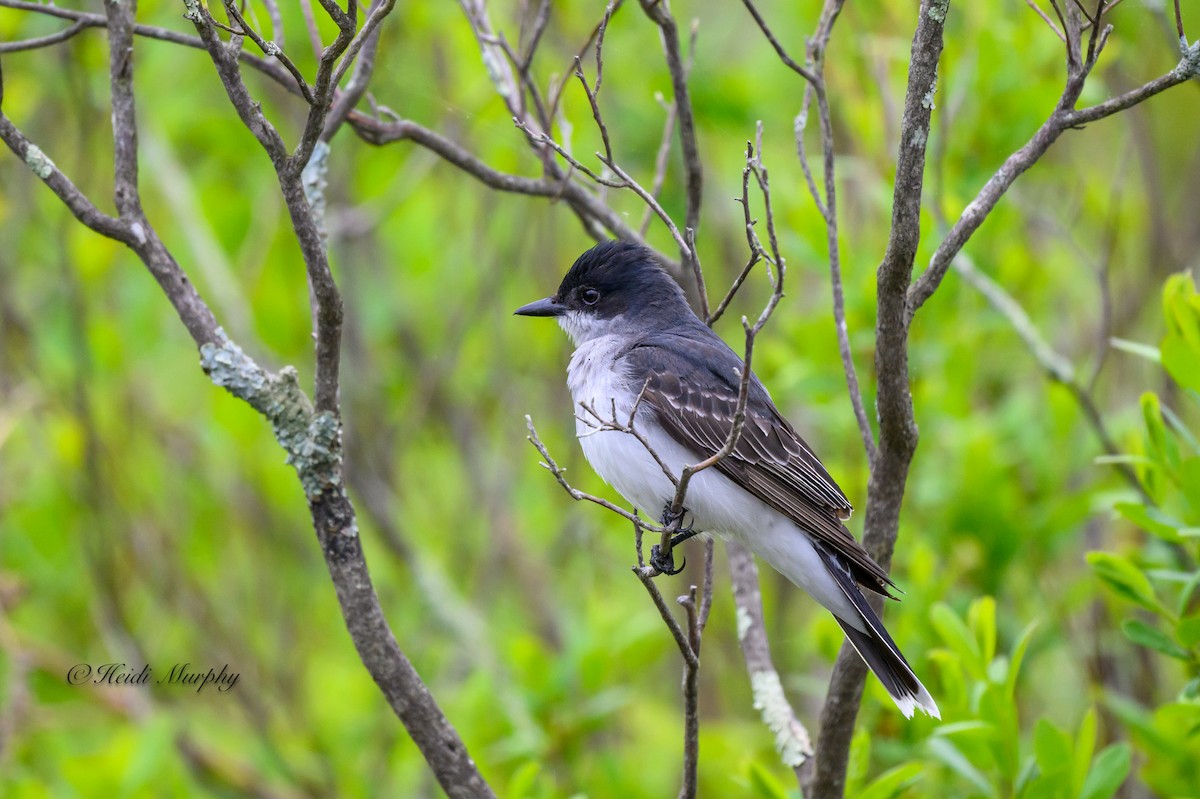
{"x": 636, "y": 336}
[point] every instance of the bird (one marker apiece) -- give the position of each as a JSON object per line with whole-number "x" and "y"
{"x": 642, "y": 354}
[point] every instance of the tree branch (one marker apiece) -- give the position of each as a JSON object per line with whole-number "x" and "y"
{"x": 271, "y": 69}
{"x": 311, "y": 437}
{"x": 791, "y": 738}
{"x": 1063, "y": 118}
{"x": 45, "y": 41}
{"x": 814, "y": 75}
{"x": 660, "y": 13}
{"x": 897, "y": 427}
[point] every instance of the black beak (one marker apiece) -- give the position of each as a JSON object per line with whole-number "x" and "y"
{"x": 546, "y": 307}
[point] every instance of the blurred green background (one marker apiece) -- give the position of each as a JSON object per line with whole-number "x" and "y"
{"x": 148, "y": 517}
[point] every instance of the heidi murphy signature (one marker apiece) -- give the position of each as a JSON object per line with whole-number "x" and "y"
{"x": 180, "y": 674}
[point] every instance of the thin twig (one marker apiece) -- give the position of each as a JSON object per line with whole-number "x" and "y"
{"x": 269, "y": 48}
{"x": 659, "y": 12}
{"x": 270, "y": 68}
{"x": 646, "y": 575}
{"x": 814, "y": 75}
{"x": 790, "y": 62}
{"x": 1045, "y": 18}
{"x": 751, "y": 332}
{"x": 45, "y": 41}
{"x": 661, "y": 159}
{"x": 1057, "y": 367}
{"x": 551, "y": 466}
{"x": 1063, "y": 118}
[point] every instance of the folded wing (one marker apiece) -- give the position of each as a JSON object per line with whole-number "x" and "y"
{"x": 770, "y": 460}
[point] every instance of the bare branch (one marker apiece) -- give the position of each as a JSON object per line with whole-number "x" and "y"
{"x": 61, "y": 185}
{"x": 814, "y": 75}
{"x": 660, "y": 13}
{"x": 585, "y": 202}
{"x": 696, "y": 606}
{"x": 754, "y": 164}
{"x": 646, "y": 574}
{"x": 124, "y": 115}
{"x": 788, "y": 61}
{"x": 271, "y": 69}
{"x": 660, "y": 163}
{"x": 592, "y": 101}
{"x": 44, "y": 41}
{"x": 378, "y": 12}
{"x": 1033, "y": 4}
{"x": 1057, "y": 367}
{"x": 599, "y": 424}
{"x": 269, "y": 48}
{"x": 325, "y": 83}
{"x": 364, "y": 69}
{"x": 897, "y": 427}
{"x": 610, "y": 9}
{"x": 691, "y": 700}
{"x": 791, "y": 738}
{"x": 1060, "y": 120}
{"x": 560, "y": 475}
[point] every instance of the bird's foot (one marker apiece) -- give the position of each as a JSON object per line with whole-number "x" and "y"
{"x": 665, "y": 563}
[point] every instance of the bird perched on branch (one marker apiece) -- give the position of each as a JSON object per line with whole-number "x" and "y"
{"x": 643, "y": 356}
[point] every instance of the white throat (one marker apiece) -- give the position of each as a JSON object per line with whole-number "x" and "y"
{"x": 583, "y": 327}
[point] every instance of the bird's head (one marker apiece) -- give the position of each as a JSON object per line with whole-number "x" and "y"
{"x": 613, "y": 287}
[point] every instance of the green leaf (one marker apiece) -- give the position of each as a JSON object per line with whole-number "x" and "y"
{"x": 1182, "y": 362}
{"x": 963, "y": 727}
{"x": 764, "y": 783}
{"x": 893, "y": 781}
{"x": 1151, "y": 519}
{"x": 1085, "y": 744}
{"x": 1181, "y": 429}
{"x": 523, "y": 779}
{"x": 1125, "y": 579}
{"x": 1188, "y": 631}
{"x": 956, "y": 635}
{"x": 956, "y": 761}
{"x": 1185, "y": 595}
{"x": 1160, "y": 444}
{"x": 981, "y": 617}
{"x": 1180, "y": 350}
{"x": 1018, "y": 656}
{"x": 1143, "y": 634}
{"x": 1109, "y": 770}
{"x": 1051, "y": 746}
{"x": 1029, "y": 771}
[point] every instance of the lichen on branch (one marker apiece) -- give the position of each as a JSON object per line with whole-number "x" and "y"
{"x": 313, "y": 441}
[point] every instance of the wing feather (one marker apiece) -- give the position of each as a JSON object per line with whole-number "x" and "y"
{"x": 692, "y": 388}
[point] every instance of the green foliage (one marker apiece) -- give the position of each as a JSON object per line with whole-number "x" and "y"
{"x": 1166, "y": 592}
{"x": 981, "y": 741}
{"x": 146, "y": 516}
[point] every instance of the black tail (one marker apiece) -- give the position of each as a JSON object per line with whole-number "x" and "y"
{"x": 875, "y": 645}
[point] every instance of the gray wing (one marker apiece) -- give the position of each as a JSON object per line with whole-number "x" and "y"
{"x": 691, "y": 385}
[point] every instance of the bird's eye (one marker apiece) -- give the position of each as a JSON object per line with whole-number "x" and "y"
{"x": 591, "y": 297}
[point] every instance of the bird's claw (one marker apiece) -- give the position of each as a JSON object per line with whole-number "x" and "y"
{"x": 665, "y": 563}
{"x": 674, "y": 521}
